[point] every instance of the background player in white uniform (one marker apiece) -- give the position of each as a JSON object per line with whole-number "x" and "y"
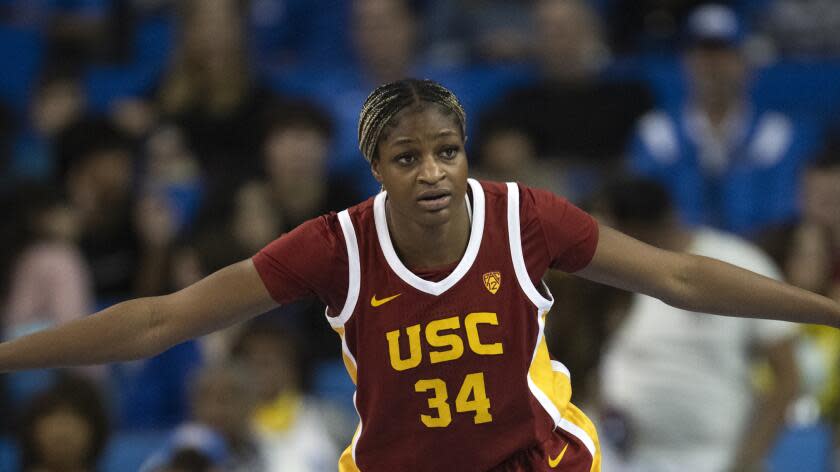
{"x": 681, "y": 380}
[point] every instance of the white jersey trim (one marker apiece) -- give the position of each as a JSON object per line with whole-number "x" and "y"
{"x": 354, "y": 276}
{"x": 515, "y": 239}
{"x": 579, "y": 433}
{"x": 541, "y": 397}
{"x": 427, "y": 286}
{"x": 558, "y": 366}
{"x": 358, "y": 431}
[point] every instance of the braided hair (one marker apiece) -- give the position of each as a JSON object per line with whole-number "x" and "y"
{"x": 383, "y": 104}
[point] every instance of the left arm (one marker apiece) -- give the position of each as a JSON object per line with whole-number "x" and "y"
{"x": 702, "y": 284}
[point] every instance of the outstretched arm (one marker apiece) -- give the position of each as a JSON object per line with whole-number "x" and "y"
{"x": 145, "y": 326}
{"x": 702, "y": 284}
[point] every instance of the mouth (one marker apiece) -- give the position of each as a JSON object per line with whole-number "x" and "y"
{"x": 434, "y": 200}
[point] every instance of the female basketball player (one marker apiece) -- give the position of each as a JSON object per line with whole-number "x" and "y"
{"x": 434, "y": 288}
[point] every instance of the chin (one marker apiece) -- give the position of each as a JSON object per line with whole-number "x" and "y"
{"x": 434, "y": 218}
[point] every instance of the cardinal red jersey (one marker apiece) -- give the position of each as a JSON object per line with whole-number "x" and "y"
{"x": 452, "y": 373}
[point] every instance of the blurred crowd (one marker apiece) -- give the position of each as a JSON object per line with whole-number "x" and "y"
{"x": 145, "y": 144}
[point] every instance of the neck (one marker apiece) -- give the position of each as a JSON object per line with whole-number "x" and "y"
{"x": 420, "y": 246}
{"x": 718, "y": 110}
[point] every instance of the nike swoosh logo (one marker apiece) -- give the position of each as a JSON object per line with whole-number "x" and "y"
{"x": 374, "y": 302}
{"x": 553, "y": 462}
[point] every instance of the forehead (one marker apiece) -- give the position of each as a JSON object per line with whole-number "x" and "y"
{"x": 420, "y": 121}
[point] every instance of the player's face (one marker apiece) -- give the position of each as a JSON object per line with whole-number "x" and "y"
{"x": 421, "y": 163}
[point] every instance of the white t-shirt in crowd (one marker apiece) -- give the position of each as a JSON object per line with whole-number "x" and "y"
{"x": 682, "y": 379}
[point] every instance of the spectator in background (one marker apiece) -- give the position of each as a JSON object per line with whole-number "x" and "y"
{"x": 648, "y": 25}
{"x": 296, "y": 145}
{"x": 209, "y": 90}
{"x": 227, "y": 229}
{"x": 223, "y": 399}
{"x": 802, "y": 28}
{"x": 97, "y": 167}
{"x": 676, "y": 379}
{"x": 99, "y": 171}
{"x": 728, "y": 164}
{"x": 296, "y": 187}
{"x": 813, "y": 258}
{"x": 47, "y": 255}
{"x": 58, "y": 102}
{"x": 483, "y": 30}
{"x": 293, "y": 429}
{"x": 64, "y": 429}
{"x": 508, "y": 153}
{"x": 384, "y": 38}
{"x": 152, "y": 393}
{"x": 572, "y": 112}
{"x": 809, "y": 251}
{"x": 191, "y": 448}
{"x": 49, "y": 229}
{"x": 76, "y": 31}
{"x": 289, "y": 33}
{"x": 170, "y": 196}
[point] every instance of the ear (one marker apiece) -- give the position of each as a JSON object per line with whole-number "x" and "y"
{"x": 374, "y": 169}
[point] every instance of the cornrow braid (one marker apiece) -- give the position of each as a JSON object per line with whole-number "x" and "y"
{"x": 387, "y": 100}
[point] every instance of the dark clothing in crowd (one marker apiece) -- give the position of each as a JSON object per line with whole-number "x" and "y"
{"x": 590, "y": 120}
{"x": 228, "y": 145}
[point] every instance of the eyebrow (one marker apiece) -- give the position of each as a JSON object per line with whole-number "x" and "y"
{"x": 407, "y": 140}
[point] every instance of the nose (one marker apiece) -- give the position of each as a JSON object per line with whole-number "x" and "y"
{"x": 430, "y": 171}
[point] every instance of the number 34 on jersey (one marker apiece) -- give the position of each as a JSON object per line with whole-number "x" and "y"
{"x": 472, "y": 396}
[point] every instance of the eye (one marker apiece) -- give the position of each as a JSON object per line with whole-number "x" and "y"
{"x": 404, "y": 159}
{"x": 449, "y": 152}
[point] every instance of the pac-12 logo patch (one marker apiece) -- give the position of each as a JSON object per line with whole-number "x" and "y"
{"x": 492, "y": 281}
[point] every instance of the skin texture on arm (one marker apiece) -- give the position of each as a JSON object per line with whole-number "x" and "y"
{"x": 145, "y": 326}
{"x": 769, "y": 413}
{"x": 702, "y": 284}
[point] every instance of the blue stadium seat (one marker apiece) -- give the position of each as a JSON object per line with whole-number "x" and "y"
{"x": 803, "y": 449}
{"x": 332, "y": 384}
{"x": 128, "y": 450}
{"x": 21, "y": 50}
{"x": 152, "y": 393}
{"x": 8, "y": 455}
{"x": 105, "y": 84}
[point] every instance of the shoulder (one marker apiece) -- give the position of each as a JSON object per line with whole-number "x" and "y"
{"x": 657, "y": 132}
{"x": 329, "y": 224}
{"x": 493, "y": 188}
{"x": 362, "y": 211}
{"x": 773, "y": 136}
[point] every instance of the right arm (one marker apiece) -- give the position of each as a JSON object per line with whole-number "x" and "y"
{"x": 145, "y": 326}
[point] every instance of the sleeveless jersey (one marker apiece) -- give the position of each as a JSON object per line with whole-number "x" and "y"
{"x": 453, "y": 375}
